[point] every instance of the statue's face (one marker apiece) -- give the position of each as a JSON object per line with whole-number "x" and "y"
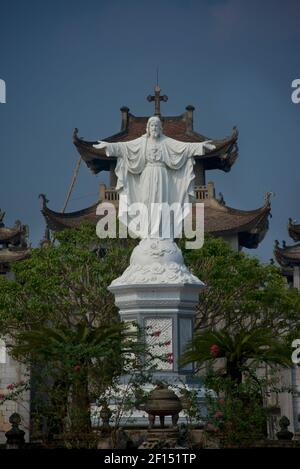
{"x": 154, "y": 128}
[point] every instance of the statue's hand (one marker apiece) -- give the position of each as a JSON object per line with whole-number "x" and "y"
{"x": 100, "y": 145}
{"x": 209, "y": 146}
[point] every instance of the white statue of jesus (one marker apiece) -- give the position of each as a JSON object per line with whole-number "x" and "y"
{"x": 155, "y": 169}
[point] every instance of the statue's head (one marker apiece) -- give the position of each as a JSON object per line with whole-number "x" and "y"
{"x": 154, "y": 127}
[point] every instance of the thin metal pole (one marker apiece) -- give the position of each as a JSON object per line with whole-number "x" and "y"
{"x": 75, "y": 174}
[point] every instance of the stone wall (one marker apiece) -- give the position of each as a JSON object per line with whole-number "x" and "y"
{"x": 12, "y": 372}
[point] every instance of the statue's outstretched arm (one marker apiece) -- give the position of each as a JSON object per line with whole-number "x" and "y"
{"x": 199, "y": 148}
{"x": 208, "y": 145}
{"x": 101, "y": 144}
{"x": 111, "y": 149}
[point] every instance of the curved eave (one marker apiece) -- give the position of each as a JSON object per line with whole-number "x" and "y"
{"x": 294, "y": 231}
{"x": 288, "y": 256}
{"x": 223, "y": 157}
{"x": 57, "y": 221}
{"x": 10, "y": 234}
{"x": 250, "y": 226}
{"x": 7, "y": 255}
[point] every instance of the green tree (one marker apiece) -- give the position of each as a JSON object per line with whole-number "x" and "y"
{"x": 241, "y": 292}
{"x": 58, "y": 313}
{"x": 242, "y": 350}
{"x": 74, "y": 354}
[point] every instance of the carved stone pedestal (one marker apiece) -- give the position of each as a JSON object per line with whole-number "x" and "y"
{"x": 158, "y": 292}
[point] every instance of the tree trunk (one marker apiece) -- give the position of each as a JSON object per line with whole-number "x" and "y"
{"x": 80, "y": 414}
{"x": 234, "y": 372}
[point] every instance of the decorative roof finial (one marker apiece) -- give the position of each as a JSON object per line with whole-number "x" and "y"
{"x": 46, "y": 241}
{"x": 157, "y": 98}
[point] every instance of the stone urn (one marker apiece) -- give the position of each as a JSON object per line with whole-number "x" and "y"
{"x": 161, "y": 402}
{"x": 284, "y": 433}
{"x": 105, "y": 415}
{"x": 15, "y": 436}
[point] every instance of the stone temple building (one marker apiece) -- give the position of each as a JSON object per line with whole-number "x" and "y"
{"x": 288, "y": 257}
{"x": 241, "y": 228}
{"x": 13, "y": 247}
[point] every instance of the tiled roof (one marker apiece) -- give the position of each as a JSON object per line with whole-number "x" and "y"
{"x": 57, "y": 221}
{"x": 219, "y": 220}
{"x": 251, "y": 226}
{"x": 287, "y": 255}
{"x": 11, "y": 255}
{"x": 13, "y": 243}
{"x": 11, "y": 235}
{"x": 178, "y": 127}
{"x": 294, "y": 230}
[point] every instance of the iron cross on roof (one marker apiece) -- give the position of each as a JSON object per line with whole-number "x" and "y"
{"x": 157, "y": 99}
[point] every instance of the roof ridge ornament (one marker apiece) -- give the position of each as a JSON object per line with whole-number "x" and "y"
{"x": 157, "y": 98}
{"x": 268, "y": 196}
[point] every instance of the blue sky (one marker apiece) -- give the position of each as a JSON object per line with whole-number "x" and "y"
{"x": 74, "y": 63}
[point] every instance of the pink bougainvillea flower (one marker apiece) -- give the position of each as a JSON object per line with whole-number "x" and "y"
{"x": 10, "y": 387}
{"x": 170, "y": 357}
{"x": 218, "y": 414}
{"x": 214, "y": 350}
{"x": 168, "y": 342}
{"x": 156, "y": 333}
{"x": 1, "y": 397}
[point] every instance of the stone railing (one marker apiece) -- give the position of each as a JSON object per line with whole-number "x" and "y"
{"x": 108, "y": 194}
{"x": 205, "y": 192}
{"x": 201, "y": 192}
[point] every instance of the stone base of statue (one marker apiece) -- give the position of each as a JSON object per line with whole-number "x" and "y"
{"x": 159, "y": 293}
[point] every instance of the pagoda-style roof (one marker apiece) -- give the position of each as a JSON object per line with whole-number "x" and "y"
{"x": 13, "y": 243}
{"x": 178, "y": 127}
{"x": 12, "y": 235}
{"x": 8, "y": 255}
{"x": 219, "y": 219}
{"x": 294, "y": 230}
{"x": 287, "y": 256}
{"x": 57, "y": 221}
{"x": 251, "y": 226}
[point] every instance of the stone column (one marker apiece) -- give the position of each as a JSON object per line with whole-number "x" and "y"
{"x": 295, "y": 368}
{"x": 199, "y": 174}
{"x": 112, "y": 176}
{"x": 296, "y": 277}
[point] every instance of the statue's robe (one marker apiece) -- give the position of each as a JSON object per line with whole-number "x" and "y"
{"x": 167, "y": 180}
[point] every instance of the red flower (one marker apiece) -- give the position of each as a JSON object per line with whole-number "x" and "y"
{"x": 2, "y": 397}
{"x": 10, "y": 387}
{"x": 214, "y": 350}
{"x": 170, "y": 357}
{"x": 218, "y": 414}
{"x": 77, "y": 368}
{"x": 168, "y": 343}
{"x": 156, "y": 333}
